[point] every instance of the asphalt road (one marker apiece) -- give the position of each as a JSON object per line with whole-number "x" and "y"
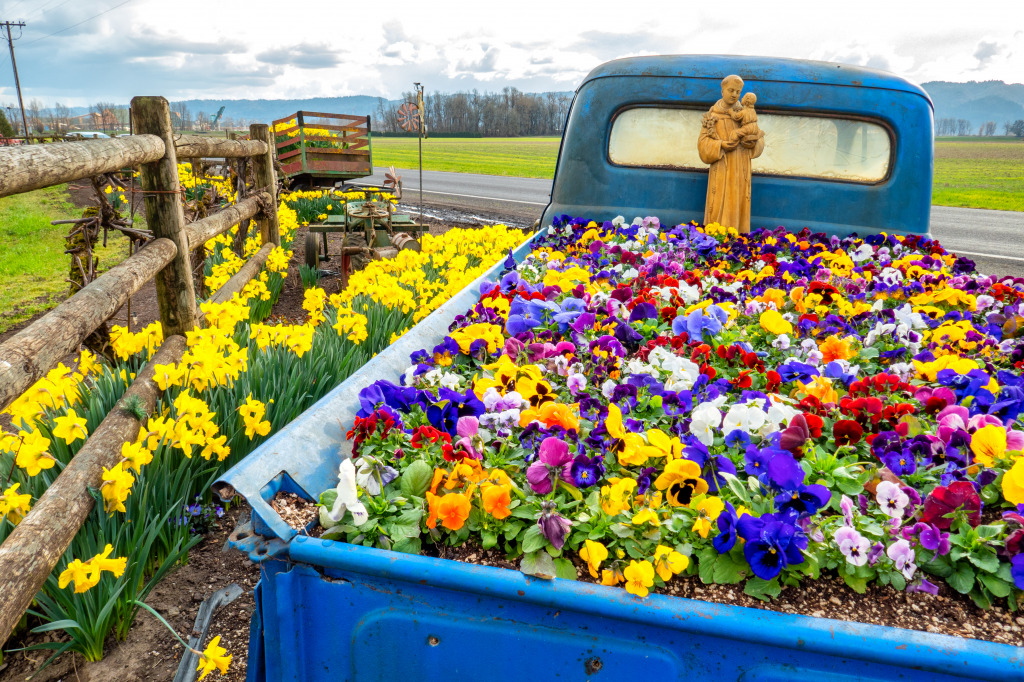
{"x": 992, "y": 239}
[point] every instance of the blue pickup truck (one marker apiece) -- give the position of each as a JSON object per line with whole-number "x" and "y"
{"x": 848, "y": 149}
{"x": 850, "y": 152}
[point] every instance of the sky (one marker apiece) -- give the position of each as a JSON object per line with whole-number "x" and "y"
{"x": 80, "y": 52}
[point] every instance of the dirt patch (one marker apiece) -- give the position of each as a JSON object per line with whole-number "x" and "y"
{"x": 150, "y": 653}
{"x": 948, "y": 613}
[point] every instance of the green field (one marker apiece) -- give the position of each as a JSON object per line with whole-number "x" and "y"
{"x": 33, "y": 265}
{"x": 977, "y": 173}
{"x": 524, "y": 157}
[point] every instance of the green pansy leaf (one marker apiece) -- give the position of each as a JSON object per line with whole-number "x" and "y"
{"x": 762, "y": 589}
{"x": 416, "y": 479}
{"x": 538, "y": 564}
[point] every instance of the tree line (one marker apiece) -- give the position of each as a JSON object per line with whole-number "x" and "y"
{"x": 949, "y": 127}
{"x": 509, "y": 113}
{"x": 106, "y": 117}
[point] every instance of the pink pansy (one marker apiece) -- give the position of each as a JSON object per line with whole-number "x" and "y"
{"x": 467, "y": 428}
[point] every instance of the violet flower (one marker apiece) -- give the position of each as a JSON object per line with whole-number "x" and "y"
{"x": 846, "y": 505}
{"x": 552, "y": 525}
{"x": 551, "y": 463}
{"x": 891, "y": 499}
{"x": 902, "y": 556}
{"x": 854, "y": 546}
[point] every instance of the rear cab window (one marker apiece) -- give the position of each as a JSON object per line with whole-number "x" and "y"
{"x": 814, "y": 146}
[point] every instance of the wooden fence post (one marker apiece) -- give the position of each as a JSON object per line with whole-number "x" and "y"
{"x": 263, "y": 167}
{"x": 175, "y": 290}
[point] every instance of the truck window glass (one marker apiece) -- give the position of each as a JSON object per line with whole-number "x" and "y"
{"x": 808, "y": 146}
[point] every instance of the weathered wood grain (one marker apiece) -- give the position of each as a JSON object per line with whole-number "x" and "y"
{"x": 203, "y": 230}
{"x": 32, "y": 167}
{"x": 198, "y": 146}
{"x": 263, "y": 168}
{"x": 175, "y": 290}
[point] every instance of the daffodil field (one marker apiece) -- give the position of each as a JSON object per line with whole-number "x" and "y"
{"x": 242, "y": 378}
{"x": 638, "y": 402}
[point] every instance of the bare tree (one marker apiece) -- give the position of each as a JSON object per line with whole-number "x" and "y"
{"x": 202, "y": 121}
{"x": 62, "y": 116}
{"x": 36, "y": 112}
{"x": 990, "y": 128}
{"x": 181, "y": 117}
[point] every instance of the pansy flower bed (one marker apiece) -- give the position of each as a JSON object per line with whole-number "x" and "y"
{"x": 635, "y": 402}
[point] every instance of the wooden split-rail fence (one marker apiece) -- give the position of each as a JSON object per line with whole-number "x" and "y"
{"x": 34, "y": 547}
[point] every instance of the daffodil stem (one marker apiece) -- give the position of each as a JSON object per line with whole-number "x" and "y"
{"x": 166, "y": 624}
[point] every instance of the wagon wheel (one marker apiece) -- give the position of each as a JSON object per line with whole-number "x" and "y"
{"x": 357, "y": 261}
{"x": 312, "y": 250}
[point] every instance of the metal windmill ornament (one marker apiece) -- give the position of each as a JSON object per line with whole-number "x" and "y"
{"x": 409, "y": 117}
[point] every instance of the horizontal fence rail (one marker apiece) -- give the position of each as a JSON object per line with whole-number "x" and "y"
{"x": 238, "y": 281}
{"x": 33, "y": 549}
{"x": 204, "y": 230}
{"x": 23, "y": 169}
{"x": 198, "y": 146}
{"x": 27, "y": 356}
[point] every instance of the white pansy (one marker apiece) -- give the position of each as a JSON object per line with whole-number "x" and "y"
{"x": 704, "y": 420}
{"x": 348, "y": 496}
{"x": 450, "y": 380}
{"x": 863, "y": 253}
{"x": 745, "y": 418}
{"x": 607, "y": 387}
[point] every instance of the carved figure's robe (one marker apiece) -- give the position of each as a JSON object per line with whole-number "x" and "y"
{"x": 728, "y": 200}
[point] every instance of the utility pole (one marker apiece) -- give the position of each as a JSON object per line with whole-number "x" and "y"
{"x": 10, "y": 43}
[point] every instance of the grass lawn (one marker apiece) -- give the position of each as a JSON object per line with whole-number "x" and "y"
{"x": 524, "y": 157}
{"x": 979, "y": 175}
{"x": 33, "y": 265}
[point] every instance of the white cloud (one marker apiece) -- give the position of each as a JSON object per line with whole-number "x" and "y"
{"x": 323, "y": 48}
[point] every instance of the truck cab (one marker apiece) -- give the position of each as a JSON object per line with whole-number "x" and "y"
{"x": 848, "y": 149}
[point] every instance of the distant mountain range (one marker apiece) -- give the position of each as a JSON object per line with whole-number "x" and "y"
{"x": 267, "y": 110}
{"x": 976, "y": 101}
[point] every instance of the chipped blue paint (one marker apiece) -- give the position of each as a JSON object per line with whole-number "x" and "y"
{"x": 336, "y": 611}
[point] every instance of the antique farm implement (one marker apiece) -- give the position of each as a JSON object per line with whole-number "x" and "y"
{"x": 370, "y": 227}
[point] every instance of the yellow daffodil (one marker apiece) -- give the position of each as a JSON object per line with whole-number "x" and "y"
{"x": 32, "y": 453}
{"x": 136, "y": 455}
{"x": 70, "y": 427}
{"x": 15, "y": 505}
{"x": 116, "y": 487}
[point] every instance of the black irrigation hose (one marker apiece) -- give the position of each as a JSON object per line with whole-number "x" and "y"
{"x": 188, "y": 667}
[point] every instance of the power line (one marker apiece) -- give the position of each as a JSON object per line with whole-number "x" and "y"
{"x": 36, "y": 12}
{"x": 68, "y": 28}
{"x": 14, "y": 63}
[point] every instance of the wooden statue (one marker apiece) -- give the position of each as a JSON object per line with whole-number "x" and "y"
{"x": 729, "y": 139}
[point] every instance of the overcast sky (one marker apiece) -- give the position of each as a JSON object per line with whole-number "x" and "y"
{"x": 254, "y": 49}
